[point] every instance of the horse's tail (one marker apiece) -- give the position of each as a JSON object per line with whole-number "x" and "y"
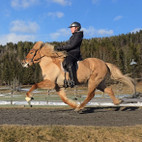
{"x": 116, "y": 74}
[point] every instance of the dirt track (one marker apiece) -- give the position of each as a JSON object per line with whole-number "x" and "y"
{"x": 60, "y": 116}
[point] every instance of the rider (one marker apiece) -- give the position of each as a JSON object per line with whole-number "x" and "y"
{"x": 73, "y": 51}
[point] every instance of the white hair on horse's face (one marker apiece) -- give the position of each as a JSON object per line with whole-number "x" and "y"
{"x": 25, "y": 65}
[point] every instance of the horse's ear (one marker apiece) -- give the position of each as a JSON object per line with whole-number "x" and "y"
{"x": 38, "y": 45}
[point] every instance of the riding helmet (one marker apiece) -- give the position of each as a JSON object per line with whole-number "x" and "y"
{"x": 75, "y": 24}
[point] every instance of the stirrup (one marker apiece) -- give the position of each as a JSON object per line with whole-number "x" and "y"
{"x": 66, "y": 83}
{"x": 71, "y": 83}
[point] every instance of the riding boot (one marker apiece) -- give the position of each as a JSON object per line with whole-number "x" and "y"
{"x": 72, "y": 74}
{"x": 65, "y": 81}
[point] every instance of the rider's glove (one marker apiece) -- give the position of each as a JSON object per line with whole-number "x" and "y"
{"x": 56, "y": 48}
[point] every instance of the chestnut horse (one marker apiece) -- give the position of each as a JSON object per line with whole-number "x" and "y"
{"x": 91, "y": 70}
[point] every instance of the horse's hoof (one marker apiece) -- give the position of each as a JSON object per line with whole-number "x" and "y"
{"x": 77, "y": 110}
{"x": 28, "y": 99}
{"x": 118, "y": 102}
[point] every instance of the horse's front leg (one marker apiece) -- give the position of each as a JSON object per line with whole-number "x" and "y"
{"x": 45, "y": 84}
{"x": 64, "y": 98}
{"x": 91, "y": 92}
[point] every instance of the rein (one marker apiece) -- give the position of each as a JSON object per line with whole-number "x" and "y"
{"x": 58, "y": 56}
{"x": 33, "y": 55}
{"x": 32, "y": 59}
{"x": 40, "y": 58}
{"x": 55, "y": 55}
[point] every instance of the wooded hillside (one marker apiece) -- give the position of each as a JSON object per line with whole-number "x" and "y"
{"x": 119, "y": 50}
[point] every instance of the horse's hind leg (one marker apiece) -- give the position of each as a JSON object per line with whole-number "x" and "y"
{"x": 102, "y": 87}
{"x": 46, "y": 84}
{"x": 64, "y": 98}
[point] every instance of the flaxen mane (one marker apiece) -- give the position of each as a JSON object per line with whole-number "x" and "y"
{"x": 49, "y": 51}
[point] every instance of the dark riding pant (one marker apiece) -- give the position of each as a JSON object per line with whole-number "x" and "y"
{"x": 69, "y": 64}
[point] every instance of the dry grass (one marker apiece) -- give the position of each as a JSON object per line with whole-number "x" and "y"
{"x": 69, "y": 134}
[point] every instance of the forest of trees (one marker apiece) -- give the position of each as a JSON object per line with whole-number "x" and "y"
{"x": 119, "y": 50}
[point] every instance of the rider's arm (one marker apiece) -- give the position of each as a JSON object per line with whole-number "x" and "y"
{"x": 73, "y": 42}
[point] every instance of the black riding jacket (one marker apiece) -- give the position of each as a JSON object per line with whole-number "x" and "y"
{"x": 73, "y": 45}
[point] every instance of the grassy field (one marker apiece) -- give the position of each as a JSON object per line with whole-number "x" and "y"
{"x": 69, "y": 134}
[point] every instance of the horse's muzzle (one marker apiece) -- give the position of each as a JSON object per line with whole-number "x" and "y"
{"x": 25, "y": 64}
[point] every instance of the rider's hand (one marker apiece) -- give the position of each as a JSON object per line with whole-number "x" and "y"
{"x": 56, "y": 48}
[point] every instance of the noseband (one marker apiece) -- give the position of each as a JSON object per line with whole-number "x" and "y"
{"x": 32, "y": 59}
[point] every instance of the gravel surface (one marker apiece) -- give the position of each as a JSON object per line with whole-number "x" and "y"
{"x": 128, "y": 116}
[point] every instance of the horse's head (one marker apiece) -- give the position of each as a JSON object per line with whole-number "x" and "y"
{"x": 33, "y": 56}
{"x": 40, "y": 50}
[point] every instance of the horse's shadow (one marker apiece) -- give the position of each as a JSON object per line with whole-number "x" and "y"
{"x": 96, "y": 109}
{"x": 105, "y": 109}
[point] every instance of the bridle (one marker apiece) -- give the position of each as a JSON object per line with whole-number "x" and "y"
{"x": 32, "y": 59}
{"x": 39, "y": 57}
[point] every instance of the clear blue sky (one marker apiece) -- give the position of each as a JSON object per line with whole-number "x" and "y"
{"x": 47, "y": 20}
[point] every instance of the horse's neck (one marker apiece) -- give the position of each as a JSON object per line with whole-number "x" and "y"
{"x": 50, "y": 68}
{"x": 48, "y": 61}
{"x": 44, "y": 62}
